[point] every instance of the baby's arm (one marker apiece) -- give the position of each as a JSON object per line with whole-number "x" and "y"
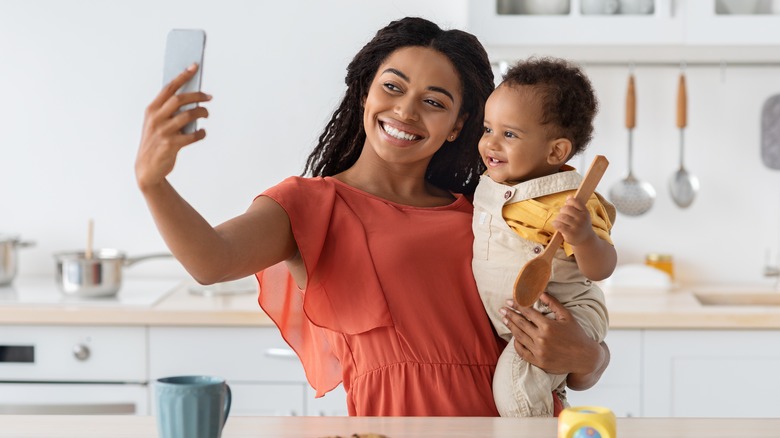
{"x": 596, "y": 258}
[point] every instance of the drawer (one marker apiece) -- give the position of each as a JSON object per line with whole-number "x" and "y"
{"x": 73, "y": 353}
{"x": 237, "y": 354}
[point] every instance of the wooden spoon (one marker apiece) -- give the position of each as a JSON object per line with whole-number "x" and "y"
{"x": 533, "y": 277}
{"x": 88, "y": 251}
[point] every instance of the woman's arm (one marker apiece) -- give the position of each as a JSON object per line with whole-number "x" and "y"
{"x": 558, "y": 346}
{"x": 239, "y": 247}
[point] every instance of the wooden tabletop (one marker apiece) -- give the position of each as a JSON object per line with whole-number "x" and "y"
{"x": 23, "y": 426}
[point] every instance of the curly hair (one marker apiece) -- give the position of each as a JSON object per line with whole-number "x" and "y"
{"x": 456, "y": 166}
{"x": 568, "y": 101}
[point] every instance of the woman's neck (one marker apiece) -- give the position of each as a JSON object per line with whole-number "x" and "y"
{"x": 401, "y": 184}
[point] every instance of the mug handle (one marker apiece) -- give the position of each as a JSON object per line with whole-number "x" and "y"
{"x": 228, "y": 399}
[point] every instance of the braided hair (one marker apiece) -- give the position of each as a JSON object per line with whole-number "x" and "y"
{"x": 456, "y": 166}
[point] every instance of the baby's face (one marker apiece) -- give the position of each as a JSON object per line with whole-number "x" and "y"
{"x": 515, "y": 146}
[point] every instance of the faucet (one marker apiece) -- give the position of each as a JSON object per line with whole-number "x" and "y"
{"x": 771, "y": 270}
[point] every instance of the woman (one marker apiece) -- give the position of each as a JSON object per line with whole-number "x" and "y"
{"x": 365, "y": 266}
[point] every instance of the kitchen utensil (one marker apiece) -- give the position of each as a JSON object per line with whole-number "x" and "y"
{"x": 98, "y": 276}
{"x": 533, "y": 277}
{"x": 683, "y": 186}
{"x": 9, "y": 258}
{"x": 631, "y": 196}
{"x": 770, "y": 132}
{"x": 90, "y": 228}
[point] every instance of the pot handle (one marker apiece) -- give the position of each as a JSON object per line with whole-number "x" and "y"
{"x": 25, "y": 244}
{"x": 133, "y": 260}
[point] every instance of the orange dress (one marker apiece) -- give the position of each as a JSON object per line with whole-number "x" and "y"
{"x": 391, "y": 308}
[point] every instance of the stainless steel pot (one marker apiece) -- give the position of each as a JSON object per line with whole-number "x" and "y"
{"x": 98, "y": 276}
{"x": 8, "y": 258}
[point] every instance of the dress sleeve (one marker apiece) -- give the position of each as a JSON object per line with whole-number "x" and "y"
{"x": 342, "y": 295}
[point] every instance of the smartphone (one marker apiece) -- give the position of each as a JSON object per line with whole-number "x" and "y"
{"x": 183, "y": 48}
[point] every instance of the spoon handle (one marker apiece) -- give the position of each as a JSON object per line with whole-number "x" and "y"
{"x": 682, "y": 103}
{"x": 587, "y": 186}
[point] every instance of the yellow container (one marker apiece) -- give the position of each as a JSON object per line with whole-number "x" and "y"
{"x": 663, "y": 262}
{"x": 587, "y": 422}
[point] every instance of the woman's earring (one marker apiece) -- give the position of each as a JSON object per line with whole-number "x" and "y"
{"x": 452, "y": 138}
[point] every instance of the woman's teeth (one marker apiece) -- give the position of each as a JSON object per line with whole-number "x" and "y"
{"x": 397, "y": 133}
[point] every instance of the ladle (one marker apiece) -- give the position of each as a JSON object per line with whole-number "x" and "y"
{"x": 683, "y": 185}
{"x": 631, "y": 196}
{"x": 533, "y": 277}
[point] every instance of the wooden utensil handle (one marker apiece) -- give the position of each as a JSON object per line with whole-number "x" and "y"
{"x": 682, "y": 103}
{"x": 630, "y": 104}
{"x": 587, "y": 186}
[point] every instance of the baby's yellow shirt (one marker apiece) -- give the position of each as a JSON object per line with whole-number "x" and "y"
{"x": 532, "y": 218}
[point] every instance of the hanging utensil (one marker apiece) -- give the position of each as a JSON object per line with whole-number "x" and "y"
{"x": 533, "y": 277}
{"x": 683, "y": 186}
{"x": 631, "y": 196}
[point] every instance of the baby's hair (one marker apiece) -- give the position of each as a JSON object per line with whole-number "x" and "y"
{"x": 568, "y": 101}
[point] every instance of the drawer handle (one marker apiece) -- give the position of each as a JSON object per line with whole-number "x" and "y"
{"x": 281, "y": 353}
{"x": 68, "y": 409}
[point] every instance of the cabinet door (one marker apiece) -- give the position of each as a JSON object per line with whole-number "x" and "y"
{"x": 664, "y": 26}
{"x": 706, "y": 25}
{"x": 620, "y": 386}
{"x": 711, "y": 373}
{"x": 331, "y": 404}
{"x": 245, "y": 354}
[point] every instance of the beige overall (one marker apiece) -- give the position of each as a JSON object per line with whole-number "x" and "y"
{"x": 519, "y": 388}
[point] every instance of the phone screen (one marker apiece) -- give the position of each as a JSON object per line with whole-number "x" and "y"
{"x": 183, "y": 48}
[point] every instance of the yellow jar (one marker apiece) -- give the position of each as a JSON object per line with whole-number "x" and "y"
{"x": 663, "y": 262}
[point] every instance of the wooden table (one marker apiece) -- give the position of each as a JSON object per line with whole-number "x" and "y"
{"x": 28, "y": 426}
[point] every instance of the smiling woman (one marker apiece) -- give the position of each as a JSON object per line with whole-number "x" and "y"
{"x": 356, "y": 261}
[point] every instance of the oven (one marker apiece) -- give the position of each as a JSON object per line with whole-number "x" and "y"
{"x": 73, "y": 370}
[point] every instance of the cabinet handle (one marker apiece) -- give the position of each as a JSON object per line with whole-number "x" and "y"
{"x": 68, "y": 409}
{"x": 281, "y": 353}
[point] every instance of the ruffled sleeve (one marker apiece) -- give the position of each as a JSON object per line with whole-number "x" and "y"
{"x": 343, "y": 293}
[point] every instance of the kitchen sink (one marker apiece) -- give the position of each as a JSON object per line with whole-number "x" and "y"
{"x": 738, "y": 298}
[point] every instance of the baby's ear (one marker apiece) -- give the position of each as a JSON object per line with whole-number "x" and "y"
{"x": 560, "y": 151}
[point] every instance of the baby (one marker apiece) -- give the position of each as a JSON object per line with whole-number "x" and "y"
{"x": 535, "y": 121}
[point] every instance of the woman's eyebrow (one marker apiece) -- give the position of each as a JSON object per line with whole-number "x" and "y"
{"x": 431, "y": 88}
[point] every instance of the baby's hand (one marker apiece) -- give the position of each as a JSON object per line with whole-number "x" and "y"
{"x": 574, "y": 222}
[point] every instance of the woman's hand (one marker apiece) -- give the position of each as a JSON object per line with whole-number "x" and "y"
{"x": 162, "y": 139}
{"x": 558, "y": 346}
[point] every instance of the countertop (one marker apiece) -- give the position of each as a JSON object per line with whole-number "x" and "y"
{"x": 397, "y": 427}
{"x": 177, "y": 306}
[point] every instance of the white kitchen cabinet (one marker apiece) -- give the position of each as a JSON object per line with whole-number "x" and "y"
{"x": 264, "y": 373}
{"x": 620, "y": 386}
{"x": 672, "y": 23}
{"x": 711, "y": 373}
{"x": 331, "y": 404}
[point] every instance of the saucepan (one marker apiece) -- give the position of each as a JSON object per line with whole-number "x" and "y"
{"x": 97, "y": 273}
{"x": 8, "y": 257}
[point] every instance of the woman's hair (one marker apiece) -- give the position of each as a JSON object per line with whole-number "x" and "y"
{"x": 456, "y": 166}
{"x": 567, "y": 98}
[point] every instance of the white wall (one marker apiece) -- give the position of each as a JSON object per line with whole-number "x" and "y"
{"x": 75, "y": 77}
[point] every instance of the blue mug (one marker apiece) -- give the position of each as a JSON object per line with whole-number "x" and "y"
{"x": 191, "y": 406}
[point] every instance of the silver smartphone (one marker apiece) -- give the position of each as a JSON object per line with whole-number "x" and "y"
{"x": 183, "y": 48}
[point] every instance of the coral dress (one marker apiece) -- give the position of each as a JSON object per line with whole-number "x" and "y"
{"x": 391, "y": 308}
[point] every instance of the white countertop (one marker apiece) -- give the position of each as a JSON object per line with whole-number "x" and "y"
{"x": 396, "y": 427}
{"x": 173, "y": 304}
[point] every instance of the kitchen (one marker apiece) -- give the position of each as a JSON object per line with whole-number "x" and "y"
{"x": 77, "y": 75}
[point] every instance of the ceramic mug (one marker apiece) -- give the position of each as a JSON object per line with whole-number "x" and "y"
{"x": 191, "y": 406}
